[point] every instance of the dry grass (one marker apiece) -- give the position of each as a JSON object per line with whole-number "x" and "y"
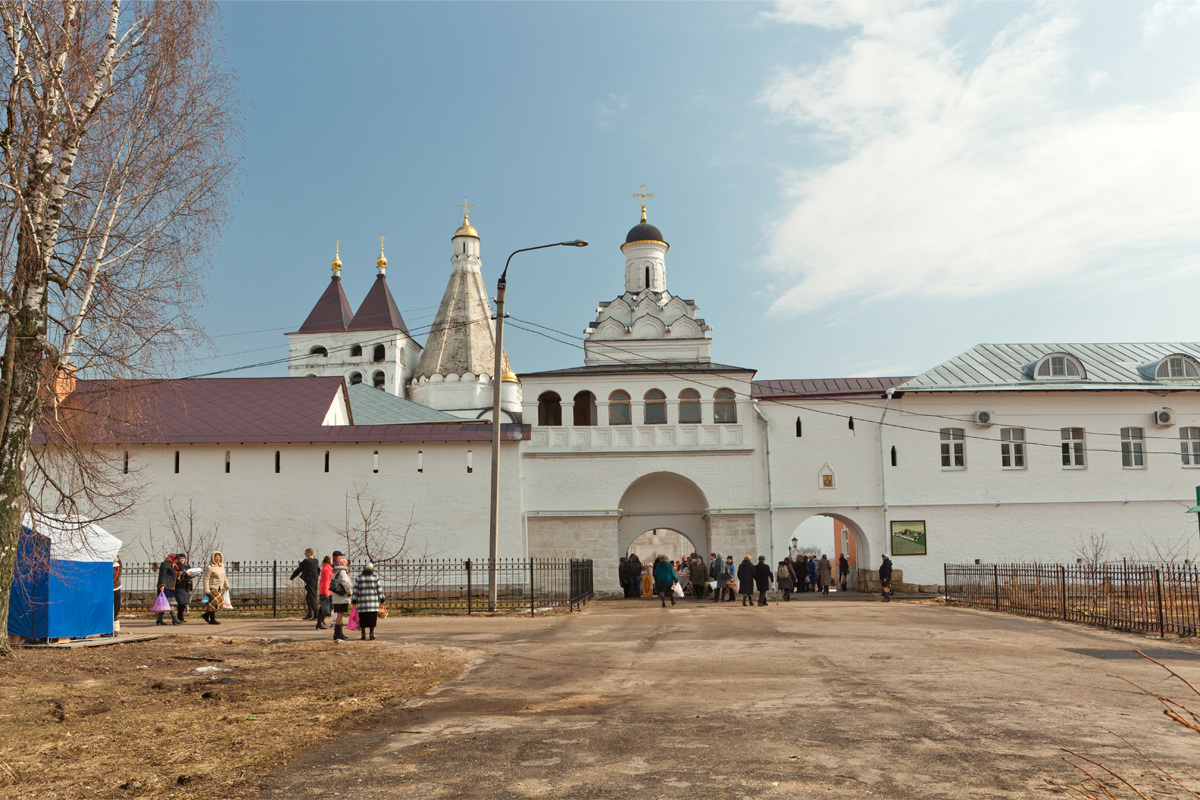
{"x": 135, "y": 720}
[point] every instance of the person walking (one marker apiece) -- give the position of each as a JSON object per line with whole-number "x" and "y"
{"x": 309, "y": 571}
{"x": 785, "y": 578}
{"x": 166, "y": 585}
{"x": 825, "y": 574}
{"x": 698, "y": 576}
{"x": 215, "y": 584}
{"x": 843, "y": 571}
{"x": 717, "y": 574}
{"x": 762, "y": 579}
{"x": 183, "y": 584}
{"x": 813, "y": 578}
{"x": 665, "y": 579}
{"x": 324, "y": 596}
{"x": 745, "y": 579}
{"x": 341, "y": 590}
{"x": 635, "y": 575}
{"x": 368, "y": 599}
{"x": 116, "y": 594}
{"x": 885, "y": 578}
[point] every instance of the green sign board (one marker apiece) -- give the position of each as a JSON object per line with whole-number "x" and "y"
{"x": 908, "y": 537}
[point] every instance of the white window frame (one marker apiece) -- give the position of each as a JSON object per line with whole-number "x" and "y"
{"x": 1012, "y": 448}
{"x": 1058, "y": 367}
{"x": 1074, "y": 449}
{"x": 953, "y": 449}
{"x": 1176, "y": 368}
{"x": 1133, "y": 448}
{"x": 1192, "y": 451}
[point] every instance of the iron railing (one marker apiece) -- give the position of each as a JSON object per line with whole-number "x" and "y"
{"x": 444, "y": 585}
{"x": 1146, "y": 598}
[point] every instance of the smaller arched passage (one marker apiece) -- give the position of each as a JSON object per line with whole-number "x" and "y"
{"x": 667, "y": 542}
{"x": 833, "y": 534}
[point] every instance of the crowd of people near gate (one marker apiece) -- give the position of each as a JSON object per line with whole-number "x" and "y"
{"x": 720, "y": 579}
{"x": 329, "y": 592}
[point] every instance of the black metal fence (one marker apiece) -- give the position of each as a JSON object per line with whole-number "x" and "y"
{"x": 1146, "y": 598}
{"x": 450, "y": 586}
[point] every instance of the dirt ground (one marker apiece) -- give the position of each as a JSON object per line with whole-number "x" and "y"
{"x": 153, "y": 719}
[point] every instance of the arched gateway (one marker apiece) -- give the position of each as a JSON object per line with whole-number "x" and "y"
{"x": 662, "y": 500}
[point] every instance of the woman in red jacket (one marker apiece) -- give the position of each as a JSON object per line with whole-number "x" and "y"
{"x": 324, "y": 594}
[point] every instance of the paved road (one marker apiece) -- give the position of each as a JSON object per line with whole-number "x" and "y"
{"x": 837, "y": 699}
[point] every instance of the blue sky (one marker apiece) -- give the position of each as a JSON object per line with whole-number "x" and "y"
{"x": 848, "y": 189}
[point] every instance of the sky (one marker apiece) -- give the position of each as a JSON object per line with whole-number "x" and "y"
{"x": 848, "y": 189}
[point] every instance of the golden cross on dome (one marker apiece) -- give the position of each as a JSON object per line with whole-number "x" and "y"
{"x": 465, "y": 208}
{"x": 381, "y": 241}
{"x": 643, "y": 197}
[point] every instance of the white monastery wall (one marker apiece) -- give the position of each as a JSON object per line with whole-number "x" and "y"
{"x": 267, "y": 516}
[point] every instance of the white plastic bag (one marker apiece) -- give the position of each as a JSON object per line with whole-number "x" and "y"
{"x": 226, "y": 603}
{"x": 677, "y": 590}
{"x": 712, "y": 585}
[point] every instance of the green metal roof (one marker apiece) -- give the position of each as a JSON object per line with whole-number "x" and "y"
{"x": 370, "y": 406}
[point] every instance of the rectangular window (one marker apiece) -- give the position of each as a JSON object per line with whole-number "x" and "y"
{"x": 375, "y": 462}
{"x": 1132, "y": 456}
{"x": 1012, "y": 448}
{"x": 226, "y": 462}
{"x": 689, "y": 413}
{"x": 1189, "y": 446}
{"x": 618, "y": 414}
{"x": 126, "y": 468}
{"x": 954, "y": 454}
{"x": 1073, "y": 452}
{"x": 327, "y": 461}
{"x": 420, "y": 461}
{"x": 276, "y": 461}
{"x": 176, "y": 462}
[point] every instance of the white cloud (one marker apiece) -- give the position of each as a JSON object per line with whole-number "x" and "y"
{"x": 957, "y": 180}
{"x": 1168, "y": 14}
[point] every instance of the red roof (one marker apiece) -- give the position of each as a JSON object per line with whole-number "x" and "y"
{"x": 378, "y": 311}
{"x": 331, "y": 313}
{"x": 238, "y": 411}
{"x": 824, "y": 387}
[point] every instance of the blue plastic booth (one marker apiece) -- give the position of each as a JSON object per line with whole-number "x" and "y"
{"x": 62, "y": 584}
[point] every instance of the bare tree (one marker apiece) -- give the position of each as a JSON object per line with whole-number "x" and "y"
{"x": 185, "y": 533}
{"x": 117, "y": 162}
{"x": 371, "y": 537}
{"x": 1093, "y": 551}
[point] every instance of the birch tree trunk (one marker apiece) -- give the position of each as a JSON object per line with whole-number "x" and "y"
{"x": 119, "y": 129}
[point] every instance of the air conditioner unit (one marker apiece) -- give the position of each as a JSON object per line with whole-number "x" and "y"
{"x": 984, "y": 418}
{"x": 1164, "y": 418}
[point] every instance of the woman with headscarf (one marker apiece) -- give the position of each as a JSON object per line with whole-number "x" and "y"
{"x": 745, "y": 577}
{"x": 324, "y": 596}
{"x": 340, "y": 589}
{"x": 215, "y": 584}
{"x": 825, "y": 574}
{"x": 166, "y": 586}
{"x": 368, "y": 599}
{"x": 664, "y": 579}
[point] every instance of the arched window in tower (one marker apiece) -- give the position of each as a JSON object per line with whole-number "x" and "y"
{"x": 355, "y": 377}
{"x": 647, "y": 277}
{"x": 380, "y": 353}
{"x": 356, "y": 351}
{"x": 549, "y": 409}
{"x": 656, "y": 407}
{"x": 618, "y": 408}
{"x": 318, "y": 351}
{"x": 585, "y": 409}
{"x": 725, "y": 406}
{"x": 689, "y": 407}
{"x": 378, "y": 380}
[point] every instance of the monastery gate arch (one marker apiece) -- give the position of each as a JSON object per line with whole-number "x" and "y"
{"x": 663, "y": 500}
{"x": 860, "y": 547}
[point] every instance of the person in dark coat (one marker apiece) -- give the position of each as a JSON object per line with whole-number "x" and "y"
{"x": 813, "y": 584}
{"x": 309, "y": 571}
{"x": 843, "y": 571}
{"x": 801, "y": 569}
{"x": 745, "y": 576}
{"x": 885, "y": 578}
{"x": 698, "y": 576}
{"x": 785, "y": 578}
{"x": 762, "y": 579}
{"x": 665, "y": 579}
{"x": 183, "y": 584}
{"x": 623, "y": 575}
{"x": 166, "y": 585}
{"x": 634, "y": 565}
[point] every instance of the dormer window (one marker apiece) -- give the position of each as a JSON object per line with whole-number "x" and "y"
{"x": 1059, "y": 366}
{"x": 1175, "y": 368}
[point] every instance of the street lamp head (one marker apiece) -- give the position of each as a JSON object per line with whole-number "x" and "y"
{"x": 576, "y": 243}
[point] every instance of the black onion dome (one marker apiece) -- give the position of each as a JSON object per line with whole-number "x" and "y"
{"x": 644, "y": 231}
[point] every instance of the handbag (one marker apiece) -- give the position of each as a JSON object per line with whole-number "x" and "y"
{"x": 326, "y": 605}
{"x": 161, "y": 606}
{"x": 712, "y": 585}
{"x": 352, "y": 623}
{"x": 677, "y": 590}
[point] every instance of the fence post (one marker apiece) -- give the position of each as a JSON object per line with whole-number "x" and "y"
{"x": 531, "y": 613}
{"x": 1162, "y": 625}
{"x": 1062, "y": 590}
{"x": 468, "y": 587}
{"x": 274, "y": 588}
{"x": 946, "y": 581}
{"x": 996, "y": 584}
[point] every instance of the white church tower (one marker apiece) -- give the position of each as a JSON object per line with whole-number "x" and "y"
{"x": 646, "y": 323}
{"x": 371, "y": 346}
{"x": 455, "y": 371}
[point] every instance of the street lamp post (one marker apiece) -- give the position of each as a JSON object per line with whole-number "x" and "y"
{"x": 494, "y": 526}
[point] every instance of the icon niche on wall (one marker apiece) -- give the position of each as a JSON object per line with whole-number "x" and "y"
{"x": 827, "y": 478}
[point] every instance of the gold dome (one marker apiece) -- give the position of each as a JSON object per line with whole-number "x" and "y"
{"x": 382, "y": 260}
{"x": 509, "y": 376}
{"x": 466, "y": 229}
{"x": 337, "y": 261}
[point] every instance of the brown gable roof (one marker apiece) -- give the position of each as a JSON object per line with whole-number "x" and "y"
{"x": 242, "y": 411}
{"x": 824, "y": 387}
{"x": 378, "y": 311}
{"x": 331, "y": 313}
